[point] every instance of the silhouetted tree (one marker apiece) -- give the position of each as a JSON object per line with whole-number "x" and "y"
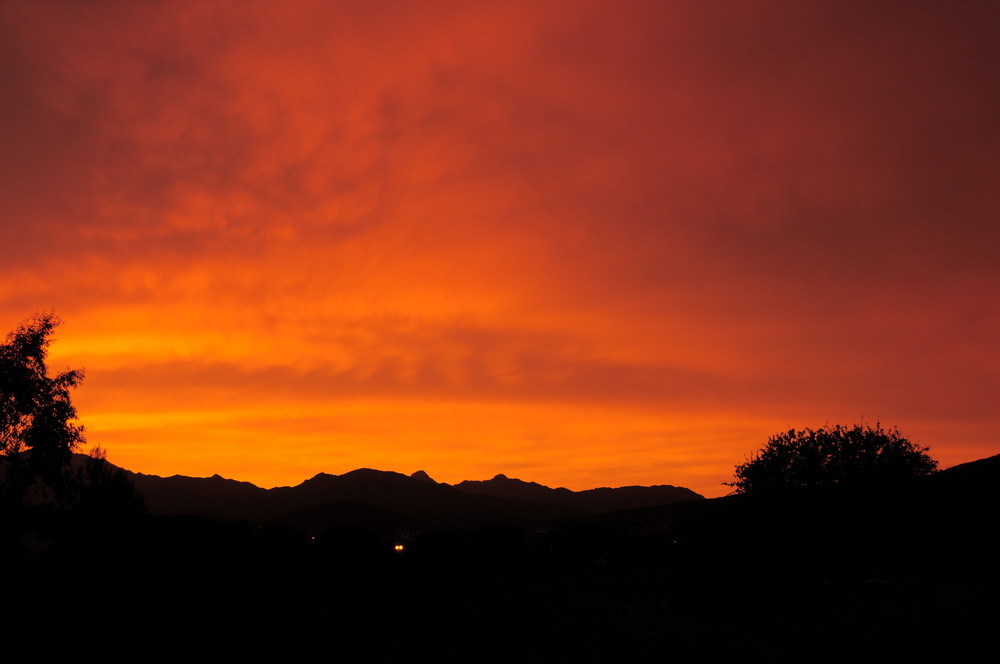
{"x": 37, "y": 429}
{"x": 831, "y": 456}
{"x": 49, "y": 500}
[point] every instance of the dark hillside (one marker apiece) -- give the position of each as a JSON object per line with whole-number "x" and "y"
{"x": 424, "y": 501}
{"x": 414, "y": 500}
{"x": 591, "y": 500}
{"x": 206, "y": 496}
{"x": 417, "y": 500}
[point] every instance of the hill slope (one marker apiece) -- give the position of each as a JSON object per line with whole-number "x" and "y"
{"x": 416, "y": 500}
{"x": 592, "y": 500}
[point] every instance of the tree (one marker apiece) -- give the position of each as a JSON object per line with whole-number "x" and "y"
{"x": 49, "y": 500}
{"x": 834, "y": 455}
{"x": 37, "y": 430}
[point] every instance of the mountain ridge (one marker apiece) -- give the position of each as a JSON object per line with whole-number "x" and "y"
{"x": 415, "y": 498}
{"x": 394, "y": 500}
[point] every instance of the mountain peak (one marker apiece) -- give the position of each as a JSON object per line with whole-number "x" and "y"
{"x": 319, "y": 477}
{"x": 501, "y": 477}
{"x": 422, "y": 476}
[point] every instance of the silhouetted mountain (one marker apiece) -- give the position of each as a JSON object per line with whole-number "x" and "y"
{"x": 502, "y": 486}
{"x": 592, "y": 500}
{"x": 437, "y": 504}
{"x": 422, "y": 476}
{"x": 214, "y": 496}
{"x": 418, "y": 501}
{"x": 389, "y": 500}
{"x": 392, "y": 497}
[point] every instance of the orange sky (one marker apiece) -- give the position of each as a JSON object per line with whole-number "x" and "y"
{"x": 581, "y": 243}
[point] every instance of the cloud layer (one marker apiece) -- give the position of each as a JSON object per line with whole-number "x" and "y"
{"x": 594, "y": 243}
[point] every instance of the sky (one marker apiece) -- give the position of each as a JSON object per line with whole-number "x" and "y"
{"x": 581, "y": 243}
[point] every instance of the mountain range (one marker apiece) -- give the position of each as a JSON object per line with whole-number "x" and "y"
{"x": 389, "y": 502}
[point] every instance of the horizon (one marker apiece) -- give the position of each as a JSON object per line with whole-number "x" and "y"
{"x": 584, "y": 244}
{"x": 434, "y": 478}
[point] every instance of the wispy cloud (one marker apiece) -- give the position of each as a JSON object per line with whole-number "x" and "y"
{"x": 760, "y": 214}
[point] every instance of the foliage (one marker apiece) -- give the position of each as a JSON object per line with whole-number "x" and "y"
{"x": 834, "y": 455}
{"x": 37, "y": 429}
{"x": 50, "y": 500}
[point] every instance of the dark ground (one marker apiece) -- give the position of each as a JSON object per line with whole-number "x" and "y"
{"x": 395, "y": 613}
{"x": 909, "y": 574}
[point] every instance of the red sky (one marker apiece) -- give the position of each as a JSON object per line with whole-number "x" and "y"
{"x": 581, "y": 243}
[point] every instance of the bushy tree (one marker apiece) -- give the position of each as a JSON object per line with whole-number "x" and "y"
{"x": 38, "y": 433}
{"x": 832, "y": 455}
{"x": 50, "y": 501}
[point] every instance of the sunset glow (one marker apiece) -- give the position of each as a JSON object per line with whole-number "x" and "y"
{"x": 580, "y": 243}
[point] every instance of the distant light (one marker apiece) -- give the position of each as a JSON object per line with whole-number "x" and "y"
{"x": 399, "y": 548}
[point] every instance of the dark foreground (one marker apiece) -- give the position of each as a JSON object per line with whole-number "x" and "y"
{"x": 510, "y": 614}
{"x": 909, "y": 574}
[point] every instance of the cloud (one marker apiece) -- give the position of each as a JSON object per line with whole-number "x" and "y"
{"x": 570, "y": 205}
